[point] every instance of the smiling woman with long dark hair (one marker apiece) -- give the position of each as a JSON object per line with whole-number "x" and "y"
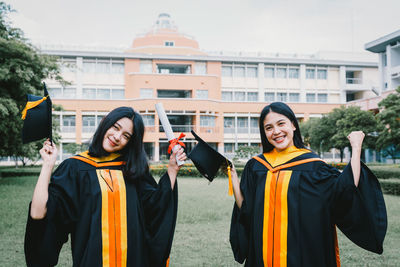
{"x": 106, "y": 200}
{"x": 289, "y": 202}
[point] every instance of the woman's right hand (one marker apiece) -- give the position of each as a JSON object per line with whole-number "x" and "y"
{"x": 48, "y": 153}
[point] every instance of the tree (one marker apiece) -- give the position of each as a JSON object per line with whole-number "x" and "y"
{"x": 331, "y": 130}
{"x": 389, "y": 121}
{"x": 22, "y": 70}
{"x": 354, "y": 119}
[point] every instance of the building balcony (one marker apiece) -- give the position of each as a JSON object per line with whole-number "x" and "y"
{"x": 395, "y": 72}
{"x": 357, "y": 84}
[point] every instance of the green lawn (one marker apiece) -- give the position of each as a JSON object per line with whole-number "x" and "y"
{"x": 202, "y": 231}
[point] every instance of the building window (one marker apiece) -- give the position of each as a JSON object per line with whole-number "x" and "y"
{"x": 252, "y": 96}
{"x": 269, "y": 72}
{"x": 200, "y": 68}
{"x": 310, "y": 73}
{"x": 169, "y": 43}
{"x": 294, "y": 97}
{"x": 322, "y": 74}
{"x": 229, "y": 148}
{"x": 207, "y": 121}
{"x": 229, "y": 124}
{"x": 118, "y": 68}
{"x": 282, "y": 97}
{"x": 88, "y": 123}
{"x": 89, "y": 66}
{"x": 240, "y": 96}
{"x": 103, "y": 94}
{"x": 117, "y": 93}
{"x": 55, "y": 92}
{"x": 281, "y": 73}
{"x": 148, "y": 120}
{"x": 68, "y": 123}
{"x": 293, "y": 73}
{"x": 103, "y": 67}
{"x": 146, "y": 66}
{"x": 269, "y": 97}
{"x": 243, "y": 125}
{"x": 226, "y": 96}
{"x": 89, "y": 93}
{"x": 68, "y": 93}
{"x": 254, "y": 125}
{"x": 322, "y": 98}
{"x": 353, "y": 77}
{"x": 202, "y": 94}
{"x": 384, "y": 59}
{"x": 238, "y": 71}
{"x": 146, "y": 93}
{"x": 68, "y": 65}
{"x": 226, "y": 71}
{"x": 174, "y": 69}
{"x": 99, "y": 118}
{"x": 174, "y": 93}
{"x": 252, "y": 72}
{"x": 310, "y": 98}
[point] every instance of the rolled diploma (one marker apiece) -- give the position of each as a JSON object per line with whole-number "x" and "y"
{"x": 167, "y": 129}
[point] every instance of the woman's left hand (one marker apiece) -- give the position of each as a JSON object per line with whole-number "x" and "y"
{"x": 356, "y": 139}
{"x": 173, "y": 167}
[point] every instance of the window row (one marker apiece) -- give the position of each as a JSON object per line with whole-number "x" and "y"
{"x": 90, "y": 122}
{"x": 103, "y": 66}
{"x": 295, "y": 97}
{"x": 239, "y": 70}
{"x": 200, "y": 68}
{"x": 162, "y": 93}
{"x": 239, "y": 96}
{"x": 282, "y": 72}
{"x": 87, "y": 93}
{"x": 241, "y": 125}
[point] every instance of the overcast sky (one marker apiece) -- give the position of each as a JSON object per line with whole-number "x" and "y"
{"x": 286, "y": 26}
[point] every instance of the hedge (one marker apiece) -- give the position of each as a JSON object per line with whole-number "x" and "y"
{"x": 390, "y": 186}
{"x": 385, "y": 172}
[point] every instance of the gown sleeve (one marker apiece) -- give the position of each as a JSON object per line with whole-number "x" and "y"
{"x": 360, "y": 212}
{"x": 242, "y": 218}
{"x": 160, "y": 206}
{"x": 44, "y": 237}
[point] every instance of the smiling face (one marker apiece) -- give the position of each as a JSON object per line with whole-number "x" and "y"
{"x": 279, "y": 130}
{"x": 118, "y": 135}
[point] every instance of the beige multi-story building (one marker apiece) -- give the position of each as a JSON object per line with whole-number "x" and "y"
{"x": 219, "y": 95}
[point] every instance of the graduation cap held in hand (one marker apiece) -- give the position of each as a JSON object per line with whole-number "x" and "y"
{"x": 208, "y": 161}
{"x": 37, "y": 118}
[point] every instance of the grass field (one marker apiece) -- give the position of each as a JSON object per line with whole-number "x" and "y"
{"x": 202, "y": 231}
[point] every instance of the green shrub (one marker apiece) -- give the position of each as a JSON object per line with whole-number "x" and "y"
{"x": 390, "y": 186}
{"x": 386, "y": 172}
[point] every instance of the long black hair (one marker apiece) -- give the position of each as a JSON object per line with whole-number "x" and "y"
{"x": 133, "y": 153}
{"x": 285, "y": 110}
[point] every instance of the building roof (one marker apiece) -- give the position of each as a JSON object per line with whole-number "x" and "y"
{"x": 379, "y": 45}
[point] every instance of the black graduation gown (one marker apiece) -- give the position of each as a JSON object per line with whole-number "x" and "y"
{"x": 111, "y": 222}
{"x": 290, "y": 210}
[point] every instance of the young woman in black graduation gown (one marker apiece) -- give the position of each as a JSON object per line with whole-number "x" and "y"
{"x": 106, "y": 200}
{"x": 289, "y": 202}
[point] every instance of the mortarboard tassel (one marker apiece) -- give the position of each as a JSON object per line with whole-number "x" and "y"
{"x": 230, "y": 192}
{"x": 32, "y": 104}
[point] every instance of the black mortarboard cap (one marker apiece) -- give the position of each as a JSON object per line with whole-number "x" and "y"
{"x": 206, "y": 159}
{"x": 37, "y": 118}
